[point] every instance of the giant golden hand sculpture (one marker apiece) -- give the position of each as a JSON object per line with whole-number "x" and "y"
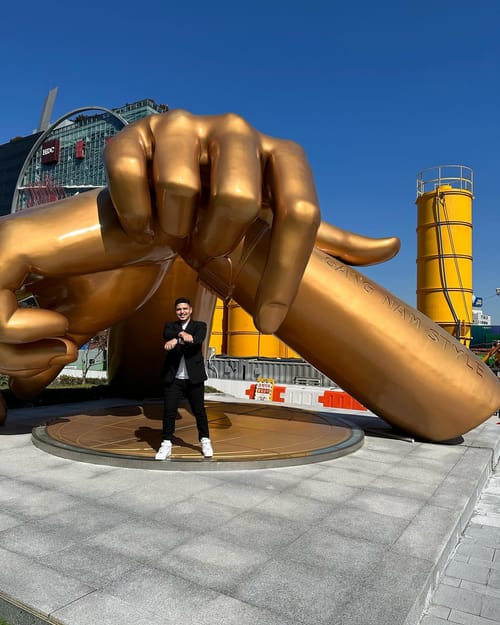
{"x": 240, "y": 208}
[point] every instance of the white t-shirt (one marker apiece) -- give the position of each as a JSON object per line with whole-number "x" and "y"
{"x": 182, "y": 373}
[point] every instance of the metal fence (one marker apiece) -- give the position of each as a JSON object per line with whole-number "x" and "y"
{"x": 283, "y": 371}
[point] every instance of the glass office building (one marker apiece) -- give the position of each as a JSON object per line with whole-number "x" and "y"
{"x": 12, "y": 156}
{"x": 70, "y": 158}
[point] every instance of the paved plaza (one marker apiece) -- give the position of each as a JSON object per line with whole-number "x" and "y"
{"x": 364, "y": 539}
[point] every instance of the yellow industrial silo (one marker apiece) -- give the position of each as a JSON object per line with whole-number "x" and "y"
{"x": 234, "y": 334}
{"x": 444, "y": 248}
{"x": 217, "y": 337}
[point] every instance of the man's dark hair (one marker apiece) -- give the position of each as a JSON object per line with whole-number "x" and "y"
{"x": 182, "y": 300}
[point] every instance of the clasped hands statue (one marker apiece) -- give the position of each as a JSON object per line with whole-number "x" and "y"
{"x": 241, "y": 210}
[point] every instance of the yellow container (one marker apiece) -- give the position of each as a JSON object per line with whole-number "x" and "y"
{"x": 243, "y": 338}
{"x": 444, "y": 250}
{"x": 217, "y": 336}
{"x": 234, "y": 334}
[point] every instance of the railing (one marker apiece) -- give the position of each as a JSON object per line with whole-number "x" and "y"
{"x": 293, "y": 371}
{"x": 456, "y": 176}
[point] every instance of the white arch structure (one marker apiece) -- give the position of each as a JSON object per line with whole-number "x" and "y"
{"x": 45, "y": 134}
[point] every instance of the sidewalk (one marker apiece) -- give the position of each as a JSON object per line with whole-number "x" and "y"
{"x": 469, "y": 591}
{"x": 359, "y": 540}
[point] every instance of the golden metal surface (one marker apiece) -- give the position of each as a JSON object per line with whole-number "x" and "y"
{"x": 240, "y": 208}
{"x": 239, "y": 432}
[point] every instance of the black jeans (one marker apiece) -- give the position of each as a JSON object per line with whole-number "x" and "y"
{"x": 173, "y": 394}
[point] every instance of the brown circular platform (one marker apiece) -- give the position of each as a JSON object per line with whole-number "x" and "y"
{"x": 244, "y": 435}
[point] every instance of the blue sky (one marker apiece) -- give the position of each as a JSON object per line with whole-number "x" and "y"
{"x": 374, "y": 91}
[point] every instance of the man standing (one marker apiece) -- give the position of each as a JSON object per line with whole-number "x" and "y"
{"x": 185, "y": 376}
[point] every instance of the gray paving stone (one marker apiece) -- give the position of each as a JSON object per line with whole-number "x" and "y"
{"x": 486, "y": 519}
{"x": 146, "y": 497}
{"x": 487, "y": 536}
{"x": 7, "y": 521}
{"x": 40, "y": 504}
{"x": 391, "y": 446}
{"x": 327, "y": 492}
{"x": 19, "y": 464}
{"x": 211, "y": 562}
{"x": 461, "y": 558}
{"x": 398, "y": 573}
{"x": 494, "y": 579}
{"x": 261, "y": 532}
{"x": 370, "y": 526}
{"x": 469, "y": 572}
{"x": 36, "y": 585}
{"x": 385, "y": 503}
{"x": 402, "y": 488}
{"x": 454, "y": 492}
{"x": 360, "y": 461}
{"x": 376, "y": 607}
{"x": 424, "y": 472}
{"x": 272, "y": 479}
{"x": 470, "y": 548}
{"x": 83, "y": 520}
{"x": 96, "y": 565}
{"x": 345, "y": 556}
{"x": 99, "y": 608}
{"x": 161, "y": 592}
{"x": 463, "y": 618}
{"x": 389, "y": 457}
{"x": 495, "y": 566}
{"x": 491, "y": 608}
{"x": 240, "y": 496}
{"x": 308, "y": 594}
{"x": 448, "y": 455}
{"x": 482, "y": 589}
{"x": 228, "y": 611}
{"x": 305, "y": 471}
{"x": 300, "y": 509}
{"x": 438, "y": 611}
{"x": 473, "y": 463}
{"x": 195, "y": 515}
{"x": 144, "y": 540}
{"x": 346, "y": 477}
{"x": 434, "y": 620}
{"x": 480, "y": 561}
{"x": 458, "y": 599}
{"x": 428, "y": 533}
{"x": 13, "y": 489}
{"x": 35, "y": 539}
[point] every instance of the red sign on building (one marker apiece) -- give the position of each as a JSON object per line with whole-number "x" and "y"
{"x": 50, "y": 151}
{"x": 80, "y": 149}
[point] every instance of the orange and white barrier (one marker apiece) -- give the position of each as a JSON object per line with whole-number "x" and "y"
{"x": 310, "y": 397}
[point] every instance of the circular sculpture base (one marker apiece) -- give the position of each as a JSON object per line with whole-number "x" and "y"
{"x": 244, "y": 436}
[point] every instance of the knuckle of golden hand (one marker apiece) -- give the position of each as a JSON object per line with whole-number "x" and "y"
{"x": 180, "y": 186}
{"x": 237, "y": 124}
{"x": 176, "y": 120}
{"x": 126, "y": 168}
{"x": 178, "y": 116}
{"x": 293, "y": 148}
{"x": 306, "y": 213}
{"x": 236, "y": 207}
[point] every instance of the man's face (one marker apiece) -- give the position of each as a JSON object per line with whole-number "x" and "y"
{"x": 183, "y": 312}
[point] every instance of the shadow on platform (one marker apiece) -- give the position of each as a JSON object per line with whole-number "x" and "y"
{"x": 244, "y": 436}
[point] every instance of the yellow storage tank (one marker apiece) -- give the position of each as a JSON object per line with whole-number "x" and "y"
{"x": 234, "y": 334}
{"x": 217, "y": 336}
{"x": 444, "y": 248}
{"x": 243, "y": 338}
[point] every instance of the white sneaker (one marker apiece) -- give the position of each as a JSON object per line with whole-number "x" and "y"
{"x": 164, "y": 451}
{"x": 206, "y": 448}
